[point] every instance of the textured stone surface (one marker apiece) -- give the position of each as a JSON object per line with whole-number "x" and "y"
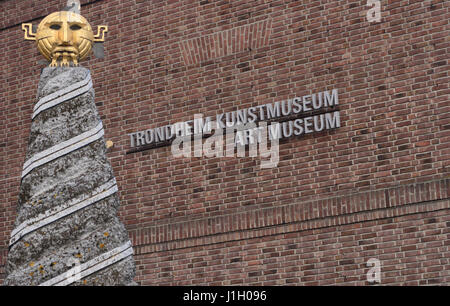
{"x": 87, "y": 233}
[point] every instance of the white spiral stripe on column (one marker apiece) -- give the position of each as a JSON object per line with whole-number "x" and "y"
{"x": 62, "y": 145}
{"x": 60, "y": 212}
{"x": 62, "y": 95}
{"x": 64, "y": 98}
{"x": 63, "y": 148}
{"x": 100, "y": 265}
{"x": 92, "y": 266}
{"x": 63, "y": 91}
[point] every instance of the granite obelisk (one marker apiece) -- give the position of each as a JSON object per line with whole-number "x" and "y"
{"x": 67, "y": 231}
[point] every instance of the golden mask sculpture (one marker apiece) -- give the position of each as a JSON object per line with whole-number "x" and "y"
{"x": 65, "y": 38}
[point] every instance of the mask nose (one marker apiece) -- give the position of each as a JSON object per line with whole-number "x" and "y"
{"x": 65, "y": 34}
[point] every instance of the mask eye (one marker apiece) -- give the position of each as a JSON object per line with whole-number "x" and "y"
{"x": 55, "y": 27}
{"x": 75, "y": 27}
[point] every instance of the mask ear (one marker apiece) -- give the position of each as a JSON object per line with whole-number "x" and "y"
{"x": 99, "y": 50}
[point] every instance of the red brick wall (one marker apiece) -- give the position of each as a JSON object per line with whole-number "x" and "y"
{"x": 413, "y": 250}
{"x": 376, "y": 187}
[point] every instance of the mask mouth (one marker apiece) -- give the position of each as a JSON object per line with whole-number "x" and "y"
{"x": 60, "y": 50}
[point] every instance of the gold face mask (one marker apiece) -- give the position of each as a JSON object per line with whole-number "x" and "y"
{"x": 64, "y": 38}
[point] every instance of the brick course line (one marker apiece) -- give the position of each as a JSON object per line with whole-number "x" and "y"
{"x": 273, "y": 230}
{"x": 359, "y": 204}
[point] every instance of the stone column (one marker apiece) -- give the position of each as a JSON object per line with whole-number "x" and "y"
{"x": 67, "y": 231}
